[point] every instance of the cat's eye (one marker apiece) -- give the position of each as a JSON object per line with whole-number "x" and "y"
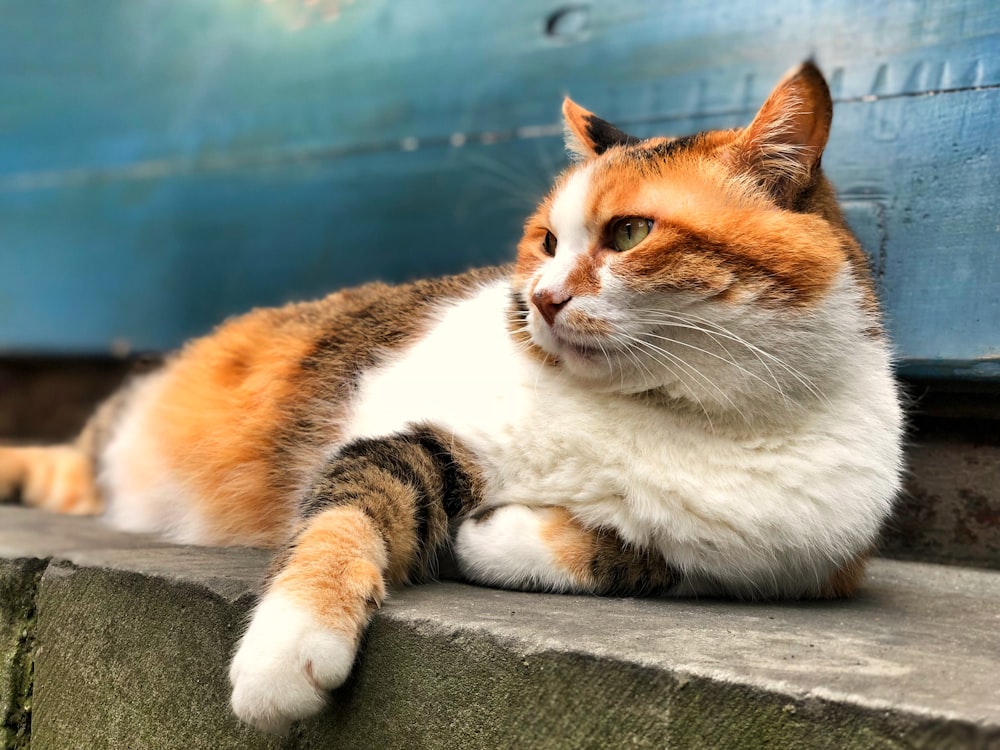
{"x": 628, "y": 232}
{"x": 549, "y": 244}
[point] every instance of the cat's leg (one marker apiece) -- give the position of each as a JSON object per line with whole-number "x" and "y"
{"x": 61, "y": 478}
{"x": 547, "y": 549}
{"x": 377, "y": 515}
{"x": 544, "y": 548}
{"x": 57, "y": 478}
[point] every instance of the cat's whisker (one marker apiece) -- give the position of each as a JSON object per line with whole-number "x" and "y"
{"x": 628, "y": 348}
{"x": 521, "y": 185}
{"x": 691, "y": 319}
{"x": 625, "y": 347}
{"x": 695, "y": 371}
{"x": 729, "y": 361}
{"x": 714, "y": 335}
{"x": 715, "y": 338}
{"x": 607, "y": 358}
{"x": 752, "y": 347}
{"x": 548, "y": 162}
{"x": 630, "y": 340}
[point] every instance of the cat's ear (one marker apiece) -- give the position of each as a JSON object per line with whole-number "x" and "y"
{"x": 782, "y": 147}
{"x": 587, "y": 135}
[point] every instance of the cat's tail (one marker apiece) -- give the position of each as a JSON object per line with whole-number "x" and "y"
{"x": 58, "y": 478}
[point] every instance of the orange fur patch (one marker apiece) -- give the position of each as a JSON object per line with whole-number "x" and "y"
{"x": 580, "y": 322}
{"x": 846, "y": 579}
{"x": 215, "y": 419}
{"x": 600, "y": 561}
{"x": 709, "y": 236}
{"x": 585, "y": 278}
{"x": 335, "y": 569}
{"x": 571, "y": 545}
{"x": 245, "y": 416}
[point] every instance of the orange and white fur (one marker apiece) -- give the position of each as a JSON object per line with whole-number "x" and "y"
{"x": 681, "y": 386}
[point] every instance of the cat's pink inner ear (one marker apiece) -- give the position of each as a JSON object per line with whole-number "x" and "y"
{"x": 786, "y": 139}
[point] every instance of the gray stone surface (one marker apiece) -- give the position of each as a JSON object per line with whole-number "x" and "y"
{"x": 32, "y": 534}
{"x": 18, "y": 585}
{"x": 950, "y": 509}
{"x": 131, "y": 660}
{"x": 132, "y": 641}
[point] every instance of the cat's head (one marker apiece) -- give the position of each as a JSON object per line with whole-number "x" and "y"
{"x": 715, "y": 267}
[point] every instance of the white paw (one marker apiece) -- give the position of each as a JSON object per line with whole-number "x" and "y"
{"x": 285, "y": 665}
{"x": 507, "y": 549}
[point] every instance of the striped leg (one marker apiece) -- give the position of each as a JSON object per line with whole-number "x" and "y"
{"x": 545, "y": 548}
{"x": 376, "y": 516}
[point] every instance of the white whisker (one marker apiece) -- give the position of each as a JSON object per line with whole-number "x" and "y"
{"x": 627, "y": 347}
{"x": 693, "y": 370}
{"x": 729, "y": 361}
{"x": 692, "y": 319}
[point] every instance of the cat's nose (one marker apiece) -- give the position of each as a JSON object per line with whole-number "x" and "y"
{"x": 549, "y": 303}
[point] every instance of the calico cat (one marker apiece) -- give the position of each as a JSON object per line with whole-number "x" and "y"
{"x": 682, "y": 386}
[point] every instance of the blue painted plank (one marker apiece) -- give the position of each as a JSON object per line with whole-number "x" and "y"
{"x": 265, "y": 234}
{"x": 147, "y": 264}
{"x": 929, "y": 168}
{"x": 107, "y": 87}
{"x": 165, "y": 164}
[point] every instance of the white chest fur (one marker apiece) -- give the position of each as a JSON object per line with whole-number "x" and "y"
{"x": 784, "y": 507}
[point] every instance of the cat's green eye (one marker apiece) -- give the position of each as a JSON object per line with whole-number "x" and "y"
{"x": 628, "y": 232}
{"x": 549, "y": 244}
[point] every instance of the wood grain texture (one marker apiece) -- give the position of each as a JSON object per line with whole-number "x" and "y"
{"x": 163, "y": 165}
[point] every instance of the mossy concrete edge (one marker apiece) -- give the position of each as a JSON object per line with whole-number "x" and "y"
{"x": 133, "y": 638}
{"x": 19, "y": 580}
{"x": 133, "y": 659}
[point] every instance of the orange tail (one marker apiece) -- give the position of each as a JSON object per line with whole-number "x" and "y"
{"x": 57, "y": 478}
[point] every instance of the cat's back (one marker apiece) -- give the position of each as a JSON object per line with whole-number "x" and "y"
{"x": 212, "y": 447}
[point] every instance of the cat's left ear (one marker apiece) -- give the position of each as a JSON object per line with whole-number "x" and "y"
{"x": 782, "y": 147}
{"x": 587, "y": 135}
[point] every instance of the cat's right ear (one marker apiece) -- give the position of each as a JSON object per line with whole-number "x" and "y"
{"x": 782, "y": 147}
{"x": 587, "y": 135}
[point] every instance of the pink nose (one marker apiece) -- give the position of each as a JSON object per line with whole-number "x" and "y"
{"x": 549, "y": 303}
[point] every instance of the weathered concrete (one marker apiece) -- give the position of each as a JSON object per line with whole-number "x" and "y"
{"x": 950, "y": 508}
{"x": 130, "y": 638}
{"x": 18, "y": 585}
{"x": 131, "y": 643}
{"x": 133, "y": 660}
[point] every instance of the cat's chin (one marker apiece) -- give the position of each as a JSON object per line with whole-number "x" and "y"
{"x": 596, "y": 365}
{"x": 588, "y": 357}
{"x": 584, "y": 353}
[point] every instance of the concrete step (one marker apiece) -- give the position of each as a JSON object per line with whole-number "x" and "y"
{"x": 130, "y": 638}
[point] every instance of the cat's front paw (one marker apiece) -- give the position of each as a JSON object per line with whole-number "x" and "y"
{"x": 285, "y": 665}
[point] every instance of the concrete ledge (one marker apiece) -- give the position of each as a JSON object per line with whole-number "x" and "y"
{"x": 130, "y": 640}
{"x": 18, "y": 587}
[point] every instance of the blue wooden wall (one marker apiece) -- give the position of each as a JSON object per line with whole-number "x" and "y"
{"x": 165, "y": 164}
